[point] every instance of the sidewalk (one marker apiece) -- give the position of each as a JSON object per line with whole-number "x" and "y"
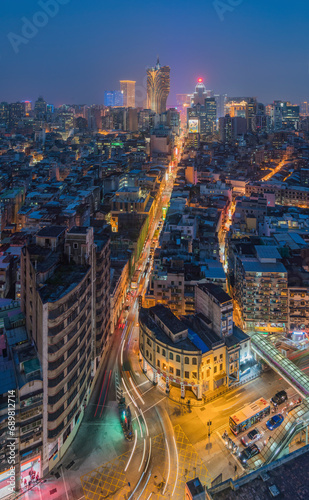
{"x": 175, "y": 392}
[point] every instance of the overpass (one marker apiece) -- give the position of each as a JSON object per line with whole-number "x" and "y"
{"x": 286, "y": 368}
{"x": 298, "y": 419}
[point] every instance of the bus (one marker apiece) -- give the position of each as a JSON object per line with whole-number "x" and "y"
{"x": 249, "y": 415}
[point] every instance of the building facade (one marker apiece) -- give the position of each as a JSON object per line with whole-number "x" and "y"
{"x": 127, "y": 88}
{"x": 65, "y": 298}
{"x": 158, "y": 87}
{"x": 186, "y": 353}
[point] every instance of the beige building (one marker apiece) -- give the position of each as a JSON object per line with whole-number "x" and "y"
{"x": 187, "y": 353}
{"x": 127, "y": 87}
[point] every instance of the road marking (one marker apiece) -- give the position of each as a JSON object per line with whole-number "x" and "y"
{"x": 132, "y": 452}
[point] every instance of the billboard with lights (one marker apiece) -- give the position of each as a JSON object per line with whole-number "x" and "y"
{"x": 193, "y": 126}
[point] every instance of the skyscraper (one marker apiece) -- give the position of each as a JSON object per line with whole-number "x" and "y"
{"x": 113, "y": 98}
{"x": 158, "y": 87}
{"x": 127, "y": 87}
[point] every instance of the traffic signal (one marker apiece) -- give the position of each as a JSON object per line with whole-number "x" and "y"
{"x": 140, "y": 301}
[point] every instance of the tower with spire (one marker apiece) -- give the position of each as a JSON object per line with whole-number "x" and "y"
{"x": 158, "y": 87}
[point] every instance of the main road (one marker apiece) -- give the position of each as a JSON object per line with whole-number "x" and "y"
{"x": 100, "y": 437}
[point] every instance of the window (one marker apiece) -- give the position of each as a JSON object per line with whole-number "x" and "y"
{"x": 158, "y": 363}
{"x": 208, "y": 373}
{"x": 215, "y": 358}
{"x": 208, "y": 361}
{"x": 177, "y": 358}
{"x": 75, "y": 246}
{"x": 221, "y": 356}
{"x": 186, "y": 374}
{"x": 171, "y": 355}
{"x": 158, "y": 349}
{"x": 221, "y": 366}
{"x": 171, "y": 369}
{"x": 194, "y": 374}
{"x": 147, "y": 353}
{"x": 215, "y": 369}
{"x": 194, "y": 361}
{"x": 163, "y": 352}
{"x": 148, "y": 342}
{"x": 186, "y": 360}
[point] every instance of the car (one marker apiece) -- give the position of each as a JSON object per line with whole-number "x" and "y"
{"x": 251, "y": 437}
{"x": 279, "y": 398}
{"x": 248, "y": 453}
{"x": 274, "y": 422}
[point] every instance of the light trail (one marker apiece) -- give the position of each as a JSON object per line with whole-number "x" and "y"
{"x": 140, "y": 427}
{"x": 144, "y": 486}
{"x": 132, "y": 452}
{"x": 128, "y": 392}
{"x": 149, "y": 496}
{"x": 131, "y": 496}
{"x": 177, "y": 470}
{"x": 155, "y": 404}
{"x": 100, "y": 394}
{"x": 149, "y": 455}
{"x": 109, "y": 379}
{"x": 143, "y": 455}
{"x": 141, "y": 412}
{"x": 136, "y": 392}
{"x": 169, "y": 466}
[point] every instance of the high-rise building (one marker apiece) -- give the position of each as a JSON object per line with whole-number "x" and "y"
{"x": 28, "y": 107}
{"x": 113, "y": 98}
{"x": 221, "y": 100}
{"x": 127, "y": 88}
{"x": 65, "y": 299}
{"x": 261, "y": 289}
{"x": 16, "y": 113}
{"x": 211, "y": 115}
{"x": 158, "y": 87}
{"x": 40, "y": 108}
{"x": 304, "y": 108}
{"x": 4, "y": 114}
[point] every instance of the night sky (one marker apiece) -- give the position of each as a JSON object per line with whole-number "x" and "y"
{"x": 256, "y": 48}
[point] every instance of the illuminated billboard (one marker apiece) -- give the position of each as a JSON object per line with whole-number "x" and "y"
{"x": 193, "y": 126}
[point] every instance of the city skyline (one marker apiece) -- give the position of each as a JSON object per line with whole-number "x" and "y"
{"x": 238, "y": 67}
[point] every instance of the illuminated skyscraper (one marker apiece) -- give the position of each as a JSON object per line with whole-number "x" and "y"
{"x": 158, "y": 87}
{"x": 127, "y": 87}
{"x": 113, "y": 98}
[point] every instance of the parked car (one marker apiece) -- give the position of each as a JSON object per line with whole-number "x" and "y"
{"x": 279, "y": 398}
{"x": 274, "y": 422}
{"x": 248, "y": 453}
{"x": 251, "y": 437}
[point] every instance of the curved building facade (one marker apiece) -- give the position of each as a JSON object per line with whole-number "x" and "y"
{"x": 158, "y": 87}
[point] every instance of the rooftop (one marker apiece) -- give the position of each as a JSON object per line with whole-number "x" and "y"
{"x": 216, "y": 291}
{"x": 51, "y": 231}
{"x": 64, "y": 279}
{"x": 168, "y": 318}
